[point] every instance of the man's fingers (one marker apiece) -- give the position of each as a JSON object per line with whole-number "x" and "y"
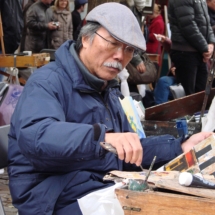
{"x": 128, "y": 146}
{"x": 137, "y": 151}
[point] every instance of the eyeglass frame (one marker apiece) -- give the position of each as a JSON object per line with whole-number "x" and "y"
{"x": 135, "y": 52}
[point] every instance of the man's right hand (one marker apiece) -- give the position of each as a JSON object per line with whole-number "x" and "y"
{"x": 208, "y": 55}
{"x": 128, "y": 146}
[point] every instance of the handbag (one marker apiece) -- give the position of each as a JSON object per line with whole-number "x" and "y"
{"x": 10, "y": 94}
{"x": 149, "y": 76}
{"x": 177, "y": 91}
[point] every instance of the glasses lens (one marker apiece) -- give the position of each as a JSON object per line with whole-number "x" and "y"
{"x": 114, "y": 46}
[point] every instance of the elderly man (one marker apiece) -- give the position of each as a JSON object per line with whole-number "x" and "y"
{"x": 68, "y": 107}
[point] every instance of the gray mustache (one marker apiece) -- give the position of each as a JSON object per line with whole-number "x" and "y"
{"x": 116, "y": 65}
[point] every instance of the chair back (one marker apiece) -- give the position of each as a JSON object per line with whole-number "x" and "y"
{"x": 4, "y": 130}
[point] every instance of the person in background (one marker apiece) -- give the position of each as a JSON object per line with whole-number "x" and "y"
{"x": 162, "y": 91}
{"x": 155, "y": 25}
{"x": 192, "y": 43}
{"x": 71, "y": 105}
{"x": 24, "y": 31}
{"x": 62, "y": 17}
{"x": 38, "y": 24}
{"x": 211, "y": 12}
{"x": 76, "y": 17}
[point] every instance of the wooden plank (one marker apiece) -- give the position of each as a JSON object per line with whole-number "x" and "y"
{"x": 36, "y": 60}
{"x": 153, "y": 127}
{"x": 175, "y": 186}
{"x": 152, "y": 203}
{"x": 177, "y": 108}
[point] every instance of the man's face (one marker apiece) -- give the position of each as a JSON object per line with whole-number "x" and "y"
{"x": 211, "y": 4}
{"x": 101, "y": 59}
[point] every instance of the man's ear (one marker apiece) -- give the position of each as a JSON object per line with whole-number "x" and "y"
{"x": 85, "y": 41}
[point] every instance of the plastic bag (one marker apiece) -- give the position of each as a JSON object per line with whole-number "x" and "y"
{"x": 102, "y": 201}
{"x": 10, "y": 99}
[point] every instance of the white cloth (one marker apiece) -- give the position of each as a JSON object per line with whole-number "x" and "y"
{"x": 142, "y": 89}
{"x": 123, "y": 76}
{"x": 102, "y": 202}
{"x": 140, "y": 4}
{"x": 208, "y": 121}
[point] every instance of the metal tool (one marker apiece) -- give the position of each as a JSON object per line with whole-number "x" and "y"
{"x": 112, "y": 149}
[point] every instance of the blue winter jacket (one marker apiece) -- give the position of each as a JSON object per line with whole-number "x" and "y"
{"x": 54, "y": 151}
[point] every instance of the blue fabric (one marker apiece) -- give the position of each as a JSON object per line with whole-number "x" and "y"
{"x": 162, "y": 91}
{"x": 53, "y": 157}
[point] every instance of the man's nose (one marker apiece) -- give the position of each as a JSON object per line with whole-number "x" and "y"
{"x": 119, "y": 54}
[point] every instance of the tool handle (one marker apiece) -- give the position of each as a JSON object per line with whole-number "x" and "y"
{"x": 108, "y": 147}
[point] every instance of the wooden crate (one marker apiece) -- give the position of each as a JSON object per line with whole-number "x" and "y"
{"x": 36, "y": 60}
{"x": 154, "y": 203}
{"x": 153, "y": 127}
{"x": 177, "y": 108}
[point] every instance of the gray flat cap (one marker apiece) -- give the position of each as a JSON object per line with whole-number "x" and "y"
{"x": 120, "y": 22}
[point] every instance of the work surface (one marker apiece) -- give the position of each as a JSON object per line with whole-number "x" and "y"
{"x": 5, "y": 195}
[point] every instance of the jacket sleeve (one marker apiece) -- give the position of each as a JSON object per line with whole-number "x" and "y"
{"x": 164, "y": 147}
{"x": 45, "y": 138}
{"x": 33, "y": 22}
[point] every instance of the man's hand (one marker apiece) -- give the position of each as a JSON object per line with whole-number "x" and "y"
{"x": 208, "y": 55}
{"x": 141, "y": 67}
{"x": 128, "y": 146}
{"x": 194, "y": 139}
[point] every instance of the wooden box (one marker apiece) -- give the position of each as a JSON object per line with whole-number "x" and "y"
{"x": 177, "y": 108}
{"x": 153, "y": 127}
{"x": 154, "y": 203}
{"x": 36, "y": 60}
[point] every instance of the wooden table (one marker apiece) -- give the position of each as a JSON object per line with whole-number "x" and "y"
{"x": 36, "y": 60}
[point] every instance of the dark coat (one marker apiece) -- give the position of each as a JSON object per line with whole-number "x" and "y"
{"x": 12, "y": 23}
{"x": 37, "y": 27}
{"x": 54, "y": 151}
{"x": 77, "y": 23}
{"x": 190, "y": 25}
{"x": 24, "y": 31}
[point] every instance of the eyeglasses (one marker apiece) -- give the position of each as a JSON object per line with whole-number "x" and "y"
{"x": 115, "y": 46}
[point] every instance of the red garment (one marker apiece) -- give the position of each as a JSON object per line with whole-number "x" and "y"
{"x": 156, "y": 27}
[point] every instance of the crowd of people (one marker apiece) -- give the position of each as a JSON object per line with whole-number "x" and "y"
{"x": 48, "y": 26}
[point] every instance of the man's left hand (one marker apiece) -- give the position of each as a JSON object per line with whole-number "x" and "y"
{"x": 195, "y": 139}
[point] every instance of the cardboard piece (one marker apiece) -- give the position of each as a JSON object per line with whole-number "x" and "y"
{"x": 199, "y": 159}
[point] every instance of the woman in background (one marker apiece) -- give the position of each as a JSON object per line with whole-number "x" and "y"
{"x": 156, "y": 26}
{"x": 62, "y": 18}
